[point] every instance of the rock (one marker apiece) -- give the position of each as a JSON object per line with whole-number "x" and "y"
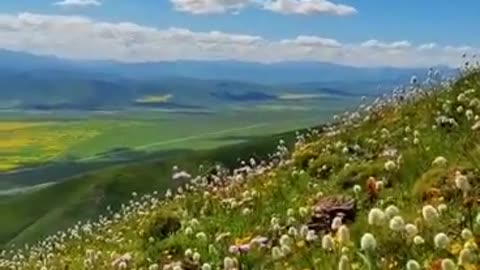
{"x": 326, "y": 209}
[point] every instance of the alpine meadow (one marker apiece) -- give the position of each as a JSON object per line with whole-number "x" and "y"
{"x": 239, "y": 135}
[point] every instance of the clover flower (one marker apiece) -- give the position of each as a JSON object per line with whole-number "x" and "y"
{"x": 311, "y": 236}
{"x": 466, "y": 257}
{"x": 390, "y": 166}
{"x": 439, "y": 162}
{"x": 467, "y": 234}
{"x": 418, "y": 240}
{"x": 411, "y": 230}
{"x": 277, "y": 253}
{"x": 461, "y": 182}
{"x": 357, "y": 189}
{"x": 206, "y": 266}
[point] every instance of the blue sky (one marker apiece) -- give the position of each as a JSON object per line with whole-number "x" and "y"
{"x": 447, "y": 24}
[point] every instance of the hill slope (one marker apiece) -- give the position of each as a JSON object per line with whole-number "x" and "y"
{"x": 393, "y": 186}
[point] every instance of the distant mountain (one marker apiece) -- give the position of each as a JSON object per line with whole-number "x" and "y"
{"x": 48, "y": 83}
{"x": 276, "y": 73}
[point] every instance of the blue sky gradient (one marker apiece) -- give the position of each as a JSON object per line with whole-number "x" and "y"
{"x": 445, "y": 23}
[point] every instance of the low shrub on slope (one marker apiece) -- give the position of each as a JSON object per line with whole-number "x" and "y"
{"x": 394, "y": 185}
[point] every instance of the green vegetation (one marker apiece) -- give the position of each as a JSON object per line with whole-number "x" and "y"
{"x": 395, "y": 186}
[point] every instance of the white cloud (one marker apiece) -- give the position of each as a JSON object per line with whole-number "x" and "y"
{"x": 83, "y": 38}
{"x": 209, "y": 6}
{"x": 373, "y": 43}
{"x": 313, "y": 41}
{"x": 304, "y": 7}
{"x": 307, "y": 7}
{"x": 77, "y": 3}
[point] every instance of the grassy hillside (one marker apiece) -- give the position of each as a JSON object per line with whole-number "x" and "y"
{"x": 395, "y": 185}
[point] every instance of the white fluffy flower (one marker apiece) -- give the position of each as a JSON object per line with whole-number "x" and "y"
{"x": 391, "y": 211}
{"x": 228, "y": 263}
{"x": 448, "y": 264}
{"x": 311, "y": 236}
{"x": 357, "y": 189}
{"x": 343, "y": 235}
{"x": 439, "y": 161}
{"x": 376, "y": 217}
{"x": 465, "y": 257}
{"x": 430, "y": 214}
{"x": 418, "y": 240}
{"x": 467, "y": 234}
{"x": 397, "y": 224}
{"x": 327, "y": 242}
{"x": 368, "y": 242}
{"x": 344, "y": 263}
{"x": 411, "y": 230}
{"x": 413, "y": 265}
{"x": 206, "y": 266}
{"x": 390, "y": 166}
{"x": 441, "y": 241}
{"x": 336, "y": 223}
{"x": 277, "y": 253}
{"x": 461, "y": 182}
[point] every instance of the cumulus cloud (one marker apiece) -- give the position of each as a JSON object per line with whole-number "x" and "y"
{"x": 77, "y": 3}
{"x": 79, "y": 37}
{"x": 307, "y": 7}
{"x": 209, "y": 6}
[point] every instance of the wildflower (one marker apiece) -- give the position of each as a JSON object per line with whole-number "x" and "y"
{"x": 368, "y": 242}
{"x": 277, "y": 253}
{"x": 469, "y": 114}
{"x": 461, "y": 182}
{"x": 441, "y": 241}
{"x": 376, "y": 217}
{"x": 397, "y": 224}
{"x": 285, "y": 240}
{"x": 246, "y": 211}
{"x": 442, "y": 208}
{"x": 344, "y": 263}
{"x": 413, "y": 265}
{"x": 286, "y": 250}
{"x": 476, "y": 126}
{"x": 439, "y": 162}
{"x": 188, "y": 253}
{"x": 228, "y": 263}
{"x": 357, "y": 189}
{"x": 343, "y": 235}
{"x": 153, "y": 267}
{"x": 303, "y": 211}
{"x": 196, "y": 257}
{"x": 466, "y": 257}
{"x": 327, "y": 242}
{"x": 189, "y": 231}
{"x": 390, "y": 166}
{"x": 311, "y": 236}
{"x": 391, "y": 211}
{"x": 206, "y": 266}
{"x": 411, "y": 230}
{"x": 292, "y": 231}
{"x": 336, "y": 223}
{"x": 430, "y": 214}
{"x": 418, "y": 240}
{"x": 290, "y": 212}
{"x": 467, "y": 234}
{"x": 201, "y": 236}
{"x": 448, "y": 264}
